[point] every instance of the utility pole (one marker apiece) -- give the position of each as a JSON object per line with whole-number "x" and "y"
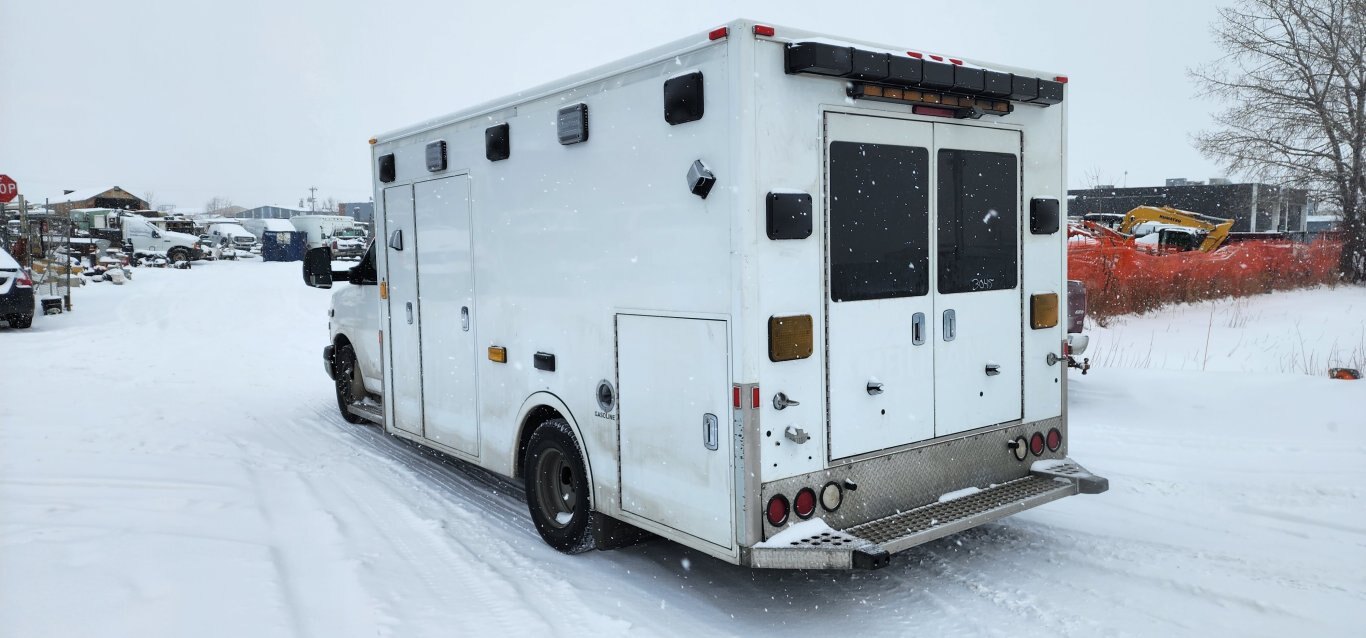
{"x": 66, "y": 258}
{"x": 312, "y": 199}
{"x": 26, "y": 258}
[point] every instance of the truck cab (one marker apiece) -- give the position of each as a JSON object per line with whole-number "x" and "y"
{"x": 147, "y": 239}
{"x": 352, "y": 356}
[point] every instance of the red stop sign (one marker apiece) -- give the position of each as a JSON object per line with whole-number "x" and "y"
{"x": 8, "y": 189}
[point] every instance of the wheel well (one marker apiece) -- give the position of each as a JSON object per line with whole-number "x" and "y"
{"x": 338, "y": 343}
{"x": 538, "y": 415}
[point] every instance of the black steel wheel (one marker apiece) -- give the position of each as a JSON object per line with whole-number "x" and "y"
{"x": 350, "y": 386}
{"x": 557, "y": 488}
{"x": 177, "y": 255}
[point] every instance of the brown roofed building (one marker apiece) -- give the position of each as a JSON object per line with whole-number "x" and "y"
{"x": 97, "y": 198}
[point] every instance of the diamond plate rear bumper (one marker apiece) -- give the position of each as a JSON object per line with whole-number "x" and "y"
{"x": 870, "y": 545}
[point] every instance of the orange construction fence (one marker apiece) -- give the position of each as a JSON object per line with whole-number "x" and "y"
{"x": 1121, "y": 279}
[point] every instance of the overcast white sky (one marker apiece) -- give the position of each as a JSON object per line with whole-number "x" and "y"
{"x": 259, "y": 99}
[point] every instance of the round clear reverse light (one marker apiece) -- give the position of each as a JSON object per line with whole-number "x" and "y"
{"x": 1020, "y": 447}
{"x": 831, "y": 496}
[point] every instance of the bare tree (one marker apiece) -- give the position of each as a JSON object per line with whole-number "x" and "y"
{"x": 329, "y": 205}
{"x": 1295, "y": 74}
{"x": 217, "y": 205}
{"x": 150, "y": 198}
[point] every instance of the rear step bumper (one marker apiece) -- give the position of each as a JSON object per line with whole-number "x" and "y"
{"x": 870, "y": 545}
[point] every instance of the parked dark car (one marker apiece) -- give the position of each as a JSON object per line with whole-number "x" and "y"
{"x": 16, "y": 293}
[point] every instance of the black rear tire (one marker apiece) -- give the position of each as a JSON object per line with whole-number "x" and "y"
{"x": 348, "y": 378}
{"x": 21, "y": 321}
{"x": 557, "y": 490}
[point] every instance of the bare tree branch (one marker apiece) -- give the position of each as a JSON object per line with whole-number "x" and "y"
{"x": 1294, "y": 77}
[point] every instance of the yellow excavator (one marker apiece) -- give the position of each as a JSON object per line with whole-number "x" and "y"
{"x": 1177, "y": 230}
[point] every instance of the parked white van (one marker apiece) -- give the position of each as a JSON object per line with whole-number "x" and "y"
{"x": 321, "y": 228}
{"x": 230, "y": 238}
{"x": 790, "y": 300}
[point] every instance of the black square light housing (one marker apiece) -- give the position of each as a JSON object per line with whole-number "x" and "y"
{"x": 498, "y": 142}
{"x": 1050, "y": 92}
{"x": 436, "y": 156}
{"x": 904, "y": 71}
{"x": 572, "y": 124}
{"x": 544, "y": 361}
{"x": 1043, "y": 216}
{"x": 867, "y": 65}
{"x": 968, "y": 79}
{"x": 938, "y": 75}
{"x": 1023, "y": 88}
{"x": 386, "y": 168}
{"x": 996, "y": 83}
{"x": 819, "y": 58}
{"x": 789, "y": 215}
{"x": 683, "y": 99}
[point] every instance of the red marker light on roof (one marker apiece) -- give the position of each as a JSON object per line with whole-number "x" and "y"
{"x": 937, "y": 58}
{"x": 718, "y": 33}
{"x": 955, "y": 60}
{"x": 1061, "y": 79}
{"x": 760, "y": 29}
{"x": 915, "y": 55}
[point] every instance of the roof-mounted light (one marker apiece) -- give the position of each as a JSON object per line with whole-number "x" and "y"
{"x": 920, "y": 71}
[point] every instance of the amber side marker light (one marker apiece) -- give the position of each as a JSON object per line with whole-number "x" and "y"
{"x": 1346, "y": 374}
{"x": 1043, "y": 311}
{"x": 498, "y": 354}
{"x": 789, "y": 338}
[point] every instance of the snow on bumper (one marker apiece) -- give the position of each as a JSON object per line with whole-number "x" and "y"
{"x": 869, "y": 545}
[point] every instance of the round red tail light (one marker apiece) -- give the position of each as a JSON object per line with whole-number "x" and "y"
{"x": 1054, "y": 440}
{"x": 777, "y": 510}
{"x": 804, "y": 505}
{"x": 1036, "y": 444}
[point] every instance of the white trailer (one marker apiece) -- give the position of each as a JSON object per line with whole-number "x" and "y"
{"x": 786, "y": 299}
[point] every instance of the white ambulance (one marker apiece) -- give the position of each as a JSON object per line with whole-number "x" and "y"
{"x": 787, "y": 299}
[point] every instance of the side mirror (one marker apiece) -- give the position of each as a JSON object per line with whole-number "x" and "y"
{"x": 318, "y": 267}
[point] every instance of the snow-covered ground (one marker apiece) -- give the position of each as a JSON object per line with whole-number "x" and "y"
{"x": 172, "y": 464}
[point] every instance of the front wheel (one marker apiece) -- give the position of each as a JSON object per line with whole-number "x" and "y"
{"x": 178, "y": 255}
{"x": 557, "y": 490}
{"x": 349, "y": 384}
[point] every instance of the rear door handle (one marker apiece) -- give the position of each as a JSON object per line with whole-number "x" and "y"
{"x": 711, "y": 431}
{"x": 410, "y": 312}
{"x": 993, "y": 369}
{"x": 465, "y": 318}
{"x": 918, "y": 328}
{"x": 950, "y": 325}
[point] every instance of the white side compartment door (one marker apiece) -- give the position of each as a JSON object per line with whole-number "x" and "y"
{"x": 977, "y": 300}
{"x": 404, "y": 336}
{"x": 447, "y": 324}
{"x": 675, "y": 423}
{"x": 880, "y": 361}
